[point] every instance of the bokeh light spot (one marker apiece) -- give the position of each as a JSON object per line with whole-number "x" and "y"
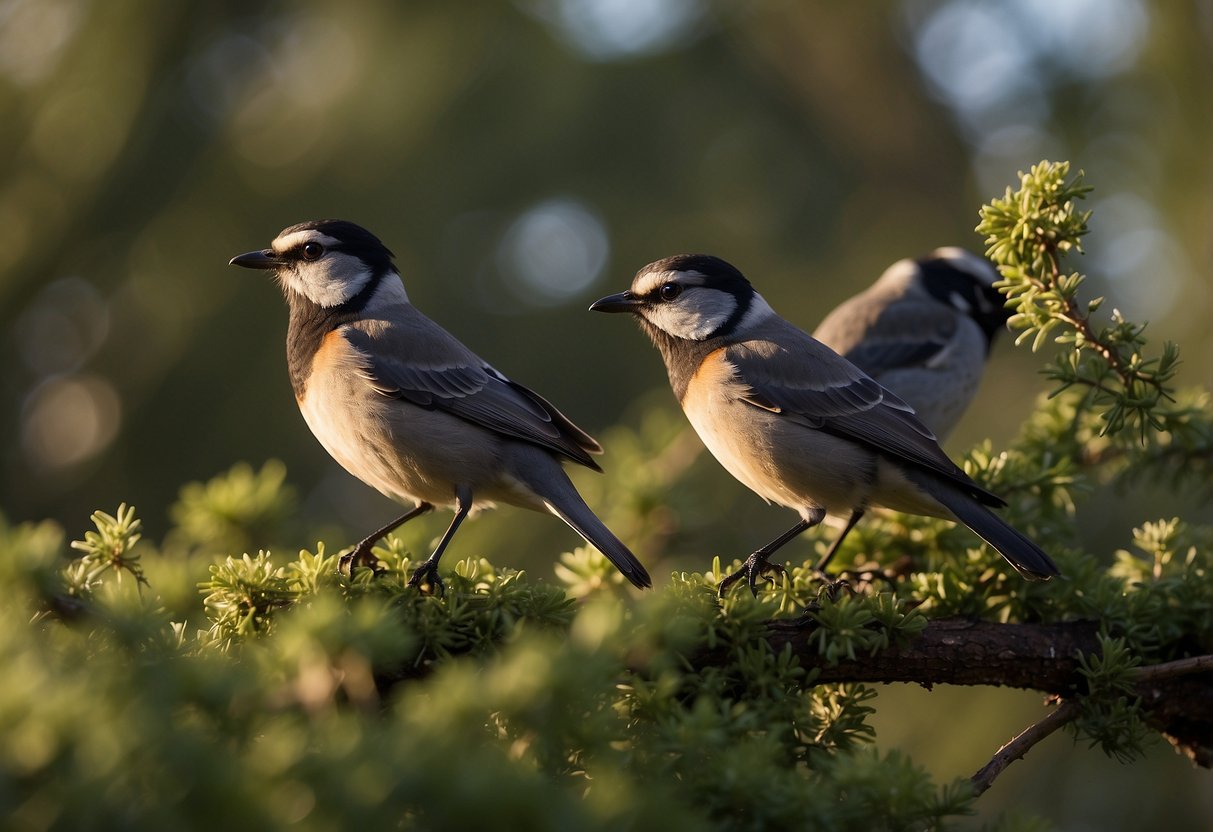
{"x": 607, "y": 30}
{"x": 33, "y": 36}
{"x": 1133, "y": 252}
{"x": 553, "y": 251}
{"x": 63, "y": 327}
{"x": 67, "y": 421}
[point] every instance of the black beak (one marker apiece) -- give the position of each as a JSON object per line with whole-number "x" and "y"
{"x": 264, "y": 259}
{"x": 622, "y": 302}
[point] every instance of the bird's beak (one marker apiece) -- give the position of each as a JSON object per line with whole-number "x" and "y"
{"x": 264, "y": 259}
{"x": 622, "y": 302}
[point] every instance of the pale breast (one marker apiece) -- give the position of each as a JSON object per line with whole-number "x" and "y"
{"x": 406, "y": 452}
{"x": 339, "y": 408}
{"x": 781, "y": 460}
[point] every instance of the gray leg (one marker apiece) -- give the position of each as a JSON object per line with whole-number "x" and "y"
{"x": 829, "y": 556}
{"x": 428, "y": 571}
{"x": 757, "y": 563}
{"x": 362, "y": 552}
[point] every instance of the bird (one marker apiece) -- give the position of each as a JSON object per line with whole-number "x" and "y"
{"x": 923, "y": 330}
{"x": 409, "y": 410}
{"x": 794, "y": 421}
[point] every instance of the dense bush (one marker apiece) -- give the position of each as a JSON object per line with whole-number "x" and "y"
{"x": 178, "y": 686}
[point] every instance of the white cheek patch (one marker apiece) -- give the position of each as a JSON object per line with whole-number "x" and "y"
{"x": 694, "y": 316}
{"x": 330, "y": 281}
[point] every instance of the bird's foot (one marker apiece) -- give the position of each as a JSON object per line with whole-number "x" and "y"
{"x": 427, "y": 575}
{"x": 804, "y": 621}
{"x": 830, "y": 590}
{"x": 873, "y": 576}
{"x": 865, "y": 579}
{"x": 754, "y": 566}
{"x": 360, "y": 555}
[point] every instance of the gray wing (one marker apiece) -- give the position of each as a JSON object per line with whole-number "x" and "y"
{"x": 804, "y": 380}
{"x": 421, "y": 363}
{"x": 900, "y": 335}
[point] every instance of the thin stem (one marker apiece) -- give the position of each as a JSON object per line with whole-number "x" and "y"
{"x": 1167, "y": 670}
{"x": 1082, "y": 324}
{"x": 1018, "y": 747}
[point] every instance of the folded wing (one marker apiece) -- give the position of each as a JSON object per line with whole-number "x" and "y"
{"x": 423, "y": 364}
{"x": 802, "y": 379}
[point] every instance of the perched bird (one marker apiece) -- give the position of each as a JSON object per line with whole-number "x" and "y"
{"x": 408, "y": 409}
{"x": 794, "y": 421}
{"x": 923, "y": 330}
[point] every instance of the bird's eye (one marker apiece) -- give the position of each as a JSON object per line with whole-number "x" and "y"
{"x": 312, "y": 251}
{"x": 669, "y": 291}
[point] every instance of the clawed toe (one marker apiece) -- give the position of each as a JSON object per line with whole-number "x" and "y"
{"x": 359, "y": 556}
{"x": 755, "y": 565}
{"x": 865, "y": 578}
{"x": 833, "y": 588}
{"x": 427, "y": 574}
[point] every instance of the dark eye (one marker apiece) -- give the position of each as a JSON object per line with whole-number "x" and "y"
{"x": 669, "y": 291}
{"x": 312, "y": 251}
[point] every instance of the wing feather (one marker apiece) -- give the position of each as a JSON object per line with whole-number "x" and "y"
{"x": 803, "y": 380}
{"x": 423, "y": 364}
{"x": 902, "y": 334}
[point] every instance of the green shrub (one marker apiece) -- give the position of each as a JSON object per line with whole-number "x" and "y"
{"x": 167, "y": 687}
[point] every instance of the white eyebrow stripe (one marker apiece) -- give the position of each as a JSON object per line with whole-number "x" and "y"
{"x": 651, "y": 281}
{"x": 295, "y": 238}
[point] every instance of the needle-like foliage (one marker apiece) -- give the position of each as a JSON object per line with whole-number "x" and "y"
{"x": 224, "y": 688}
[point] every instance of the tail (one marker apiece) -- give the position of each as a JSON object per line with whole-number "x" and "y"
{"x": 578, "y": 515}
{"x": 562, "y": 499}
{"x": 1027, "y": 558}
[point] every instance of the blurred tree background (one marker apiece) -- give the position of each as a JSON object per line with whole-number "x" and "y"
{"x": 522, "y": 159}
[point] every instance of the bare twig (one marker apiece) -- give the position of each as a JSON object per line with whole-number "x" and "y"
{"x": 1180, "y": 667}
{"x": 1018, "y": 747}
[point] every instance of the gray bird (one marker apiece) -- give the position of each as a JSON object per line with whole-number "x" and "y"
{"x": 408, "y": 409}
{"x": 923, "y": 330}
{"x": 794, "y": 421}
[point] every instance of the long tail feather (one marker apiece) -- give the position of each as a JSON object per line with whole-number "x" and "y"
{"x": 562, "y": 499}
{"x": 583, "y": 521}
{"x": 1028, "y": 559}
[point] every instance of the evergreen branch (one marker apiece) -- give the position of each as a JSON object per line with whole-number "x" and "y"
{"x": 1175, "y": 699}
{"x": 1028, "y": 232}
{"x": 1014, "y": 750}
{"x": 109, "y": 548}
{"x": 959, "y": 651}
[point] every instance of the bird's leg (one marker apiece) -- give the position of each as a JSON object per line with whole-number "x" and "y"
{"x": 757, "y": 563}
{"x": 428, "y": 571}
{"x": 820, "y": 568}
{"x": 361, "y": 555}
{"x": 829, "y": 590}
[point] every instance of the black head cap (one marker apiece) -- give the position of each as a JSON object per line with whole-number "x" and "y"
{"x": 719, "y": 274}
{"x": 944, "y": 278}
{"x": 352, "y": 239}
